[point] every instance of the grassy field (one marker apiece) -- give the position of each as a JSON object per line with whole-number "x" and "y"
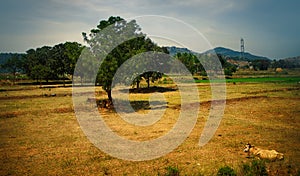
{"x": 40, "y": 134}
{"x": 289, "y": 80}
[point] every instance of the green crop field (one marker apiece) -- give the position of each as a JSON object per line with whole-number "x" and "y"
{"x": 258, "y": 80}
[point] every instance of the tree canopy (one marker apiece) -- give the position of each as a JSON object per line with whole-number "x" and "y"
{"x": 50, "y": 63}
{"x": 137, "y": 43}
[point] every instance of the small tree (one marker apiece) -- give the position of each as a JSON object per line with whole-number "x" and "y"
{"x": 226, "y": 171}
{"x": 40, "y": 72}
{"x": 151, "y": 77}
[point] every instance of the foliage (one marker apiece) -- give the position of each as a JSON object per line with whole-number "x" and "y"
{"x": 193, "y": 64}
{"x": 13, "y": 65}
{"x": 172, "y": 171}
{"x": 4, "y": 57}
{"x": 138, "y": 43}
{"x": 293, "y": 62}
{"x": 229, "y": 68}
{"x": 190, "y": 61}
{"x": 260, "y": 64}
{"x": 150, "y": 77}
{"x": 256, "y": 167}
{"x": 50, "y": 63}
{"x": 226, "y": 171}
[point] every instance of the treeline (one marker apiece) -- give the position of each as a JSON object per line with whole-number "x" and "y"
{"x": 7, "y": 61}
{"x": 287, "y": 63}
{"x": 293, "y": 62}
{"x": 194, "y": 65}
{"x": 45, "y": 63}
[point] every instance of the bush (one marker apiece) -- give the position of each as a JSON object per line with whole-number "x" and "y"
{"x": 172, "y": 171}
{"x": 256, "y": 167}
{"x": 226, "y": 171}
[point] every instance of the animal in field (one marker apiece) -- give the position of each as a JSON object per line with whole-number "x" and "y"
{"x": 271, "y": 155}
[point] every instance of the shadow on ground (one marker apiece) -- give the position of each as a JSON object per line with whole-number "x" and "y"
{"x": 151, "y": 90}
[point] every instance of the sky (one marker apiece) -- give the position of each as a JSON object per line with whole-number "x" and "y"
{"x": 269, "y": 28}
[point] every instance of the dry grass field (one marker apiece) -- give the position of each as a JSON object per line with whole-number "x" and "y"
{"x": 40, "y": 135}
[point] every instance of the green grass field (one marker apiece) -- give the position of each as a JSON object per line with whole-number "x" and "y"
{"x": 291, "y": 80}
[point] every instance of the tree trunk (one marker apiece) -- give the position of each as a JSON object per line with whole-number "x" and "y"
{"x": 109, "y": 95}
{"x": 64, "y": 83}
{"x": 138, "y": 84}
{"x": 14, "y": 77}
{"x": 148, "y": 82}
{"x": 40, "y": 83}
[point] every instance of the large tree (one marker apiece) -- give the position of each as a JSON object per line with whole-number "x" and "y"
{"x": 138, "y": 43}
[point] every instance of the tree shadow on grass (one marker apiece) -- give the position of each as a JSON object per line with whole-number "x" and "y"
{"x": 150, "y": 89}
{"x": 138, "y": 104}
{"x": 133, "y": 106}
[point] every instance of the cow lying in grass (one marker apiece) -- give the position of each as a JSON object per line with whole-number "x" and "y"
{"x": 271, "y": 155}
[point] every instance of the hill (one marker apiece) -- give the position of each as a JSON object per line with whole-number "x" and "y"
{"x": 236, "y": 55}
{"x": 225, "y": 52}
{"x": 173, "y": 50}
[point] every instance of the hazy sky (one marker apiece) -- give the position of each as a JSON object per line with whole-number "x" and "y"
{"x": 270, "y": 28}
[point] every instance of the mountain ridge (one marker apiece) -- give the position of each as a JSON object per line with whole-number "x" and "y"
{"x": 235, "y": 55}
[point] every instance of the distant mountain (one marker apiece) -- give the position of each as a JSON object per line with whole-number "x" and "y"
{"x": 225, "y": 52}
{"x": 173, "y": 50}
{"x": 235, "y": 55}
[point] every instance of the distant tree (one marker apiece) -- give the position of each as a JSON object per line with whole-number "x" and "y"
{"x": 39, "y": 58}
{"x": 194, "y": 65}
{"x": 13, "y": 65}
{"x": 40, "y": 72}
{"x": 61, "y": 62}
{"x": 30, "y": 59}
{"x": 229, "y": 68}
{"x": 190, "y": 61}
{"x": 293, "y": 62}
{"x": 50, "y": 63}
{"x": 261, "y": 64}
{"x": 73, "y": 51}
{"x": 151, "y": 76}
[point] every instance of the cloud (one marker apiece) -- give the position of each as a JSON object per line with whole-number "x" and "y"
{"x": 223, "y": 22}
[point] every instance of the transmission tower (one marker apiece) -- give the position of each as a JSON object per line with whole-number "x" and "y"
{"x": 242, "y": 49}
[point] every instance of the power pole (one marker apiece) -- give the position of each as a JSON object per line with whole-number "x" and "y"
{"x": 242, "y": 57}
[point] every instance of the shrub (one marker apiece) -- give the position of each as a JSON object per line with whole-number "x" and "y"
{"x": 172, "y": 171}
{"x": 256, "y": 167}
{"x": 226, "y": 171}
